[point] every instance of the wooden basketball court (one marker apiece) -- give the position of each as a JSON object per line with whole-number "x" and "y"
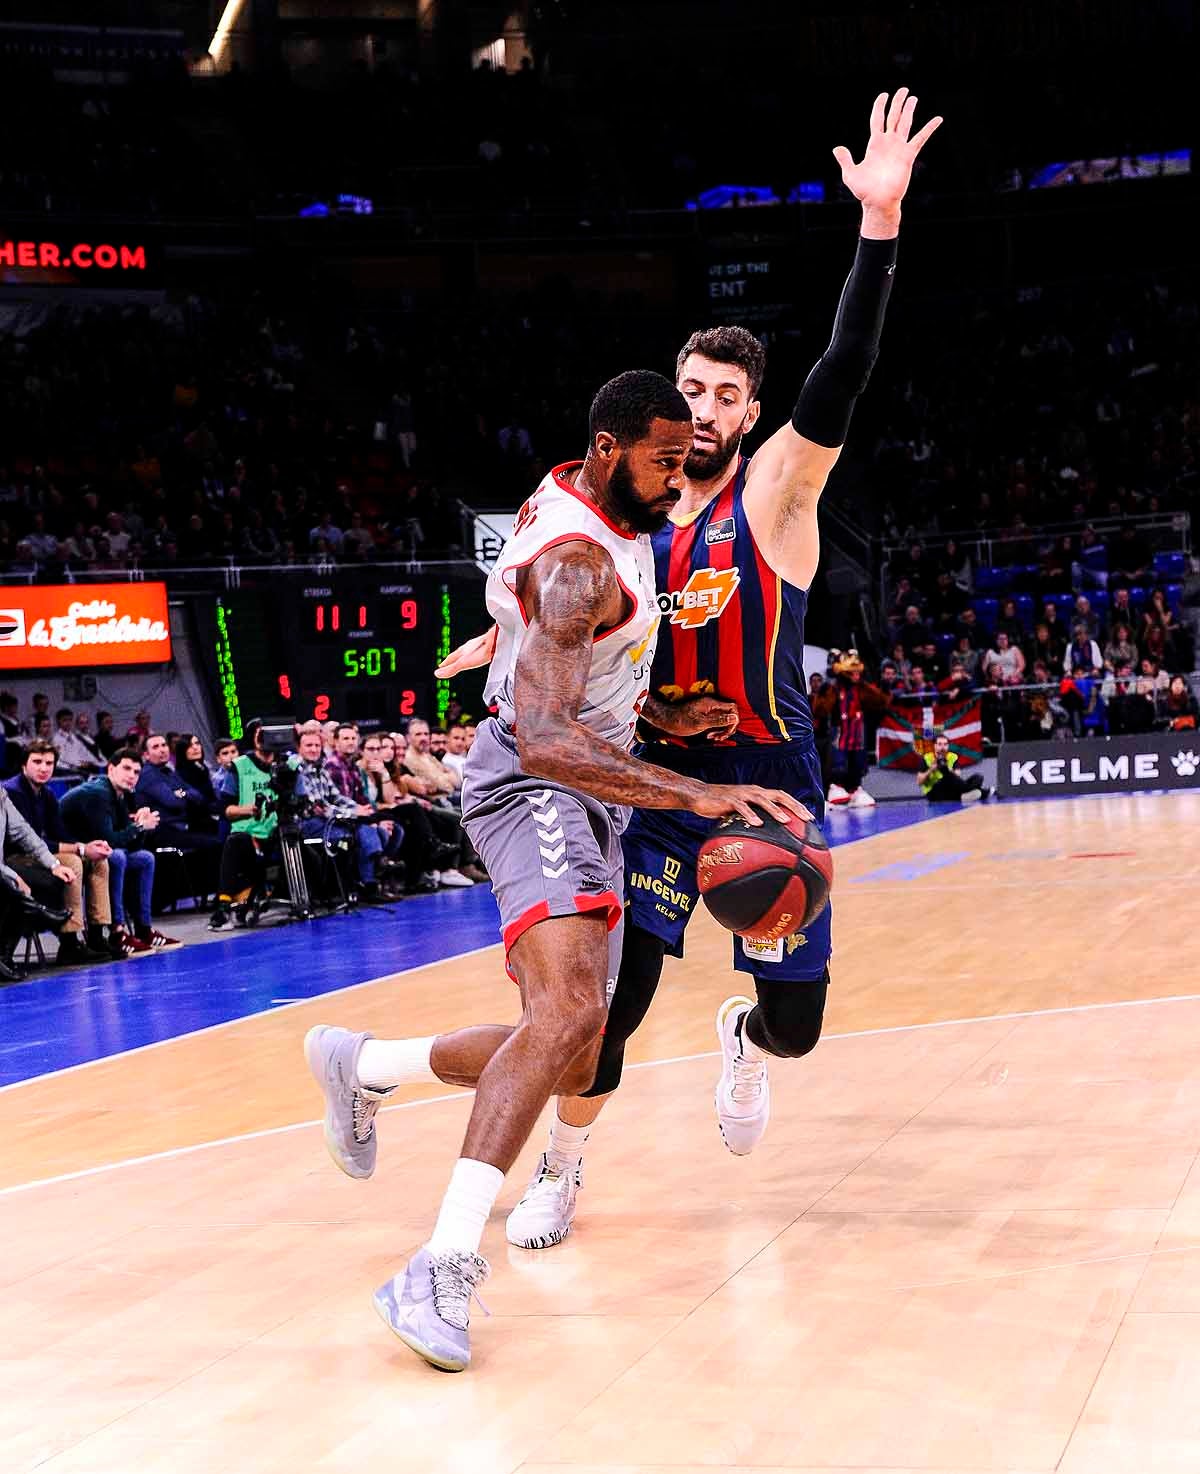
{"x": 970, "y": 1240}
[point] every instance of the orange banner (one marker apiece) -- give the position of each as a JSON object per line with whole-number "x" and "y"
{"x": 82, "y": 626}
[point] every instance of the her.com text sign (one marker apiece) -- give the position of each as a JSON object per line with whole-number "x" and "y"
{"x": 82, "y": 626}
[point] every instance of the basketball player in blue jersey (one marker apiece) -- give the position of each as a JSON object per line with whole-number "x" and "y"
{"x": 732, "y": 573}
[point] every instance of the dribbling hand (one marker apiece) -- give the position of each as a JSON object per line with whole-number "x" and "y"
{"x": 720, "y": 799}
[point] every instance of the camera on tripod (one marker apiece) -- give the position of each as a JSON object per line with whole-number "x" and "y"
{"x": 287, "y": 799}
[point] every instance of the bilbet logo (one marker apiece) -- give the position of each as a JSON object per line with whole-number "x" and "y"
{"x": 705, "y": 596}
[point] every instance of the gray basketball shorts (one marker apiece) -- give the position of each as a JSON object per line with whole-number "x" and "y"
{"x": 550, "y": 850}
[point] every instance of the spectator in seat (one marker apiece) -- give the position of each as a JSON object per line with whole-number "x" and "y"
{"x": 913, "y": 632}
{"x": 931, "y": 662}
{"x": 1082, "y": 653}
{"x": 1119, "y": 648}
{"x": 74, "y": 754}
{"x": 1090, "y": 570}
{"x": 1057, "y": 562}
{"x": 139, "y": 731}
{"x": 1153, "y": 679}
{"x": 1009, "y": 621}
{"x": 386, "y": 786}
{"x": 901, "y": 661}
{"x": 1129, "y": 709}
{"x": 10, "y": 723}
{"x": 1046, "y": 645}
{"x": 100, "y": 809}
{"x": 225, "y": 776}
{"x": 161, "y": 788}
{"x": 1128, "y": 557}
{"x": 1122, "y": 611}
{"x": 941, "y": 784}
{"x": 437, "y": 743}
{"x": 965, "y": 652}
{"x": 41, "y": 709}
{"x": 456, "y": 751}
{"x": 1055, "y": 625}
{"x": 192, "y": 770}
{"x": 1084, "y": 614}
{"x": 41, "y": 876}
{"x": 441, "y": 786}
{"x": 422, "y": 762}
{"x": 343, "y": 772}
{"x": 1004, "y": 664}
{"x": 30, "y": 795}
{"x": 958, "y": 685}
{"x": 821, "y": 697}
{"x": 969, "y": 625}
{"x": 906, "y": 597}
{"x": 1157, "y": 616}
{"x": 469, "y": 731}
{"x": 1179, "y": 706}
{"x": 957, "y": 563}
{"x": 106, "y": 739}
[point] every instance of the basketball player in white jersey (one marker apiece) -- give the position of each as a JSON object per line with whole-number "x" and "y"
{"x": 546, "y": 794}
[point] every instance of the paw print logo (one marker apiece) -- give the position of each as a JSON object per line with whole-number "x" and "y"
{"x": 1185, "y": 763}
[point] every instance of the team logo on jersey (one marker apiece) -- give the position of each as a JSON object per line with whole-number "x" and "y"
{"x": 760, "y": 948}
{"x": 705, "y": 596}
{"x": 720, "y": 532}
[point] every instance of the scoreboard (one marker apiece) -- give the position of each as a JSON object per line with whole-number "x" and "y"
{"x": 356, "y": 646}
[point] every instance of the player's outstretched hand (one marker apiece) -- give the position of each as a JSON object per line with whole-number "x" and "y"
{"x": 881, "y": 180}
{"x": 720, "y": 799}
{"x": 476, "y": 652}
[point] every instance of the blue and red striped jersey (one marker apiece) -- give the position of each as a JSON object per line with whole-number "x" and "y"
{"x": 730, "y": 626}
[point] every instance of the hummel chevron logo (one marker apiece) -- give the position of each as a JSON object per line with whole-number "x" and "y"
{"x": 551, "y": 840}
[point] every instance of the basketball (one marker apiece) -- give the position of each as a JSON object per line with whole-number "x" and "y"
{"x": 765, "y": 881}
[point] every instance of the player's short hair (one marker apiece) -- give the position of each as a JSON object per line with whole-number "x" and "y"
{"x": 627, "y": 405}
{"x": 732, "y": 345}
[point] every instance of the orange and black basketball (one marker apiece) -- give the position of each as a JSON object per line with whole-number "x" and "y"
{"x": 765, "y": 881}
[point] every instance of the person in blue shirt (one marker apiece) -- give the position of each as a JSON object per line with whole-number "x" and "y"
{"x": 161, "y": 788}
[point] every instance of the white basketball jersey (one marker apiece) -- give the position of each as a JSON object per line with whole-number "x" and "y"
{"x": 619, "y": 677}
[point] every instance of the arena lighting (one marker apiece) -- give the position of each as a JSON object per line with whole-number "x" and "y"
{"x": 225, "y": 27}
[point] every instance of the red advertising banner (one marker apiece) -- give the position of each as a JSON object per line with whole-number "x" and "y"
{"x": 83, "y": 626}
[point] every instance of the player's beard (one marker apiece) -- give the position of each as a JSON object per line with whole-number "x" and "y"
{"x": 707, "y": 465}
{"x": 639, "y": 516}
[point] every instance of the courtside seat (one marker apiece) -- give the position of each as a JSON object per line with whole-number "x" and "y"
{"x": 1169, "y": 565}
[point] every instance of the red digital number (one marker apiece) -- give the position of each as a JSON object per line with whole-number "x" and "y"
{"x": 408, "y": 703}
{"x": 320, "y": 617}
{"x": 337, "y": 616}
{"x": 408, "y": 613}
{"x": 321, "y": 708}
{"x": 285, "y": 688}
{"x": 362, "y": 616}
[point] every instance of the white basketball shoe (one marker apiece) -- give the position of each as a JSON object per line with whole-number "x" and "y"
{"x": 544, "y": 1215}
{"x": 743, "y": 1091}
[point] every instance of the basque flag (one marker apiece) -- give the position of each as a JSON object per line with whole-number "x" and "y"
{"x": 907, "y": 730}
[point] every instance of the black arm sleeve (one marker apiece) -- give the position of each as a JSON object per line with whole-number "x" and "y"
{"x": 826, "y": 402}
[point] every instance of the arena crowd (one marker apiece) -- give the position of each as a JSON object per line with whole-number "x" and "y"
{"x": 100, "y": 830}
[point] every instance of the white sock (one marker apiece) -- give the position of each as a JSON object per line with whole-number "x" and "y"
{"x": 384, "y": 1063}
{"x": 565, "y": 1150}
{"x": 750, "y": 1050}
{"x": 474, "y": 1188}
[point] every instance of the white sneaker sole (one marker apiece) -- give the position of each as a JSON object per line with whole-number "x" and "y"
{"x": 419, "y": 1347}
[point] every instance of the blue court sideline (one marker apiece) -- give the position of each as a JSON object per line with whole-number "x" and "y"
{"x": 69, "y": 1018}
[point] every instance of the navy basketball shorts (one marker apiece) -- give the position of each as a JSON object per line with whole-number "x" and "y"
{"x": 662, "y": 847}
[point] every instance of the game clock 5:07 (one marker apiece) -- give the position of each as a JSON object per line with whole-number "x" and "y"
{"x": 363, "y": 649}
